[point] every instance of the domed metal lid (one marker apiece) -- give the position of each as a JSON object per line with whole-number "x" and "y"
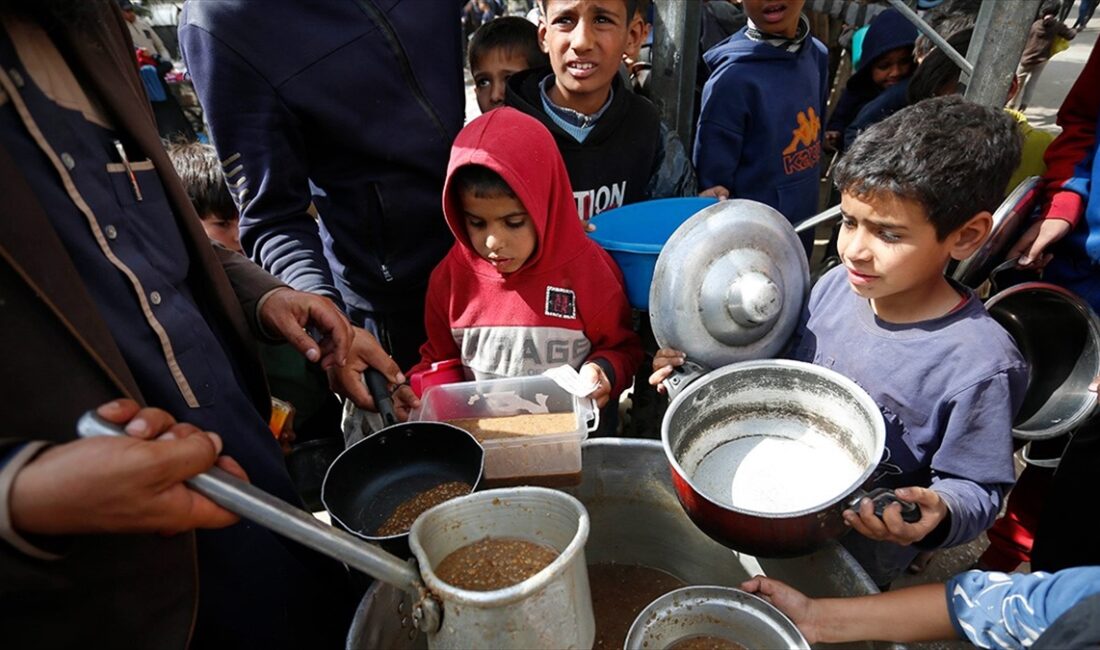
{"x": 729, "y": 284}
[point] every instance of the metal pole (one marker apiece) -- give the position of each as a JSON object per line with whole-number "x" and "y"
{"x": 933, "y": 36}
{"x": 675, "y": 53}
{"x": 999, "y": 35}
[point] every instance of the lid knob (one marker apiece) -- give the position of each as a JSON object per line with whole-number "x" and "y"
{"x": 754, "y": 300}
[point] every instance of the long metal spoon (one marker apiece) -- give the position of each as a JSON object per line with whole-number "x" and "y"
{"x": 248, "y": 501}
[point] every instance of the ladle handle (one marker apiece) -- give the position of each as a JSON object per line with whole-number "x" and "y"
{"x": 251, "y": 502}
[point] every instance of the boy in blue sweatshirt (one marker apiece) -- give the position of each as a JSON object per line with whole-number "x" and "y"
{"x": 759, "y": 134}
{"x": 918, "y": 190}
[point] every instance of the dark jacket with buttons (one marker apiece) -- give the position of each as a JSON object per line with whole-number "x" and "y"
{"x": 60, "y": 360}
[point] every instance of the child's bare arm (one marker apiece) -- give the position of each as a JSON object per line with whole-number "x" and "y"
{"x": 906, "y": 615}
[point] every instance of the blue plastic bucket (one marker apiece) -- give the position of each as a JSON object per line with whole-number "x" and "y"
{"x": 634, "y": 235}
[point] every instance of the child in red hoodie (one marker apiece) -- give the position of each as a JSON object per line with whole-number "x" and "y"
{"x": 523, "y": 289}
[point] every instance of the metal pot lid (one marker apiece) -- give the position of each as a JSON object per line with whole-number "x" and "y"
{"x": 1008, "y": 220}
{"x": 729, "y": 284}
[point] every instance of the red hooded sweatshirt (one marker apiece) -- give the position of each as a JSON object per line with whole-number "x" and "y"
{"x": 565, "y": 305}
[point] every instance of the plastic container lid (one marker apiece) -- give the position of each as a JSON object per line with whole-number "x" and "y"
{"x": 553, "y": 457}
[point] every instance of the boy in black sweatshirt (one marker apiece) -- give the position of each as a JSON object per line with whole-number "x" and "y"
{"x": 601, "y": 127}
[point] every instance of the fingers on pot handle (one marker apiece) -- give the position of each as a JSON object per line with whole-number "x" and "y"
{"x": 883, "y": 497}
{"x": 380, "y": 390}
{"x": 682, "y": 376}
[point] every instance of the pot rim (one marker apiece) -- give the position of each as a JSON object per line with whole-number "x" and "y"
{"x": 1088, "y": 407}
{"x": 857, "y": 392}
{"x": 754, "y": 604}
{"x": 517, "y": 592}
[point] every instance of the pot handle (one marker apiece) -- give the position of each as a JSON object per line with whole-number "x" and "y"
{"x": 247, "y": 500}
{"x": 682, "y": 376}
{"x": 380, "y": 390}
{"x": 882, "y": 497}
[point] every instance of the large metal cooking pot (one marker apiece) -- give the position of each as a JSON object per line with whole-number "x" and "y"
{"x": 636, "y": 519}
{"x": 1059, "y": 336}
{"x": 766, "y": 455}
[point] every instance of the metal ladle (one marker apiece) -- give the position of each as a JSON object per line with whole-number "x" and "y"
{"x": 247, "y": 500}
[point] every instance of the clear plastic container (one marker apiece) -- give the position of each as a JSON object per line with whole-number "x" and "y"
{"x": 531, "y": 458}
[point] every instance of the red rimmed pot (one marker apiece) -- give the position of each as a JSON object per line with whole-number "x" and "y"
{"x": 766, "y": 455}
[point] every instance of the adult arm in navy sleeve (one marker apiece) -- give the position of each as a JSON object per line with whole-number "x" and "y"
{"x": 262, "y": 148}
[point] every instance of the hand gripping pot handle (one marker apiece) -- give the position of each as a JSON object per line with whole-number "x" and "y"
{"x": 682, "y": 376}
{"x": 247, "y": 500}
{"x": 882, "y": 497}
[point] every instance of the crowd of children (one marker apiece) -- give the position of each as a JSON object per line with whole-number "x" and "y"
{"x": 562, "y": 138}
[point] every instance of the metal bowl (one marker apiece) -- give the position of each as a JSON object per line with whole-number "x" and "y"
{"x": 1059, "y": 336}
{"x": 723, "y": 612}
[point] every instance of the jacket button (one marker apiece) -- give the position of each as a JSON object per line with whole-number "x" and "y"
{"x": 154, "y": 297}
{"x": 16, "y": 77}
{"x": 111, "y": 232}
{"x": 68, "y": 161}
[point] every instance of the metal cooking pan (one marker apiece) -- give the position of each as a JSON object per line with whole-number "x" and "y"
{"x": 370, "y": 479}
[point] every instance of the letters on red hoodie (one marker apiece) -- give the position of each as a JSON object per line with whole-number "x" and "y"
{"x": 565, "y": 305}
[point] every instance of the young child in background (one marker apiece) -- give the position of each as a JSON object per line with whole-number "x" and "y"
{"x": 523, "y": 289}
{"x": 887, "y": 59}
{"x": 316, "y": 410}
{"x": 200, "y": 170}
{"x": 498, "y": 50}
{"x": 990, "y": 610}
{"x": 1038, "y": 50}
{"x": 616, "y": 148}
{"x": 946, "y": 376}
{"x": 759, "y": 134}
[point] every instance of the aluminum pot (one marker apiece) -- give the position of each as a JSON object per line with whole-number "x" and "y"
{"x": 766, "y": 455}
{"x": 722, "y": 612}
{"x": 551, "y": 609}
{"x": 1059, "y": 336}
{"x": 636, "y": 520}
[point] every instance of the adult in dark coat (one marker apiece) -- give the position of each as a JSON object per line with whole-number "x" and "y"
{"x": 111, "y": 296}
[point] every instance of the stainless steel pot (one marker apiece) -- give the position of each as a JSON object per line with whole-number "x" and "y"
{"x": 823, "y": 436}
{"x": 1059, "y": 336}
{"x": 551, "y": 609}
{"x": 636, "y": 519}
{"x": 722, "y": 612}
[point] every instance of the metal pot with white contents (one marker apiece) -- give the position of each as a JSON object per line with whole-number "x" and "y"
{"x": 766, "y": 455}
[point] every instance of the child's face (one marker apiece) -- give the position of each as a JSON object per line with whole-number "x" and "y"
{"x": 892, "y": 67}
{"x": 224, "y": 231}
{"x": 891, "y": 251}
{"x": 500, "y": 230}
{"x": 779, "y": 17}
{"x": 491, "y": 74}
{"x": 586, "y": 40}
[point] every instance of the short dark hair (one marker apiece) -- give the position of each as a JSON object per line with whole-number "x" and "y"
{"x": 937, "y": 69}
{"x": 952, "y": 156}
{"x": 480, "y": 181}
{"x": 510, "y": 33}
{"x": 1050, "y": 8}
{"x": 200, "y": 170}
{"x": 631, "y": 9}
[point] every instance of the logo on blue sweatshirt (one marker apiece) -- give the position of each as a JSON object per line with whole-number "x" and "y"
{"x": 804, "y": 151}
